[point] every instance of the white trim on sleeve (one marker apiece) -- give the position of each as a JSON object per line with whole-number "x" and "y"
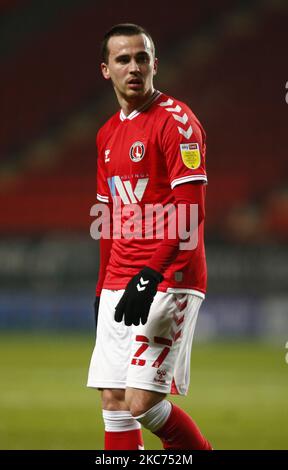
{"x": 186, "y": 179}
{"x": 102, "y": 198}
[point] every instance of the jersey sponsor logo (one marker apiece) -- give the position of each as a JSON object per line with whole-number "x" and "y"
{"x": 124, "y": 189}
{"x": 137, "y": 151}
{"x": 190, "y": 154}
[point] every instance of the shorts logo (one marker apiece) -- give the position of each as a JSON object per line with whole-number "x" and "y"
{"x": 137, "y": 151}
{"x": 190, "y": 154}
{"x": 160, "y": 376}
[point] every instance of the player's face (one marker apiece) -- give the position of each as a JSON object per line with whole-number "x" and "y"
{"x": 131, "y": 66}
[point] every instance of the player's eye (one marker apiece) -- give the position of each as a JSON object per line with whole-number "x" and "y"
{"x": 122, "y": 60}
{"x": 143, "y": 59}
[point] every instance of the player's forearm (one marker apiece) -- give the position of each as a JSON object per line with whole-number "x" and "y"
{"x": 105, "y": 245}
{"x": 169, "y": 248}
{"x": 105, "y": 250}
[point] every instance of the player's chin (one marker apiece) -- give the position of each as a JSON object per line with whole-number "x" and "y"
{"x": 135, "y": 90}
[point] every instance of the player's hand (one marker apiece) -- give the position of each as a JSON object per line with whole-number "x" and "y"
{"x": 136, "y": 301}
{"x": 96, "y": 309}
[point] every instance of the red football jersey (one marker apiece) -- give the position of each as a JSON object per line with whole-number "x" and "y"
{"x": 141, "y": 158}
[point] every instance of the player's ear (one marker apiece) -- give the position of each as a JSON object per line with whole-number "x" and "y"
{"x": 155, "y": 66}
{"x": 105, "y": 70}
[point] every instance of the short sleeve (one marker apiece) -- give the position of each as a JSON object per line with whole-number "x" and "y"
{"x": 184, "y": 146}
{"x": 103, "y": 192}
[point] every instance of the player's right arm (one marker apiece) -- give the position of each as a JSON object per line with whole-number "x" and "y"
{"x": 105, "y": 244}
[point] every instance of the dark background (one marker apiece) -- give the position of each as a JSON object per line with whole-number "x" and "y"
{"x": 228, "y": 62}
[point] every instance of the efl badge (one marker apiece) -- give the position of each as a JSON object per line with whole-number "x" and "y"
{"x": 191, "y": 155}
{"x": 137, "y": 151}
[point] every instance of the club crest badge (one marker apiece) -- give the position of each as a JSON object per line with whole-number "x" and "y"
{"x": 137, "y": 151}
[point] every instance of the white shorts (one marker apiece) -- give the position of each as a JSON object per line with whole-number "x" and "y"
{"x": 154, "y": 356}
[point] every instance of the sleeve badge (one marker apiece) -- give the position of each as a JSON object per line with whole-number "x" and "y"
{"x": 191, "y": 156}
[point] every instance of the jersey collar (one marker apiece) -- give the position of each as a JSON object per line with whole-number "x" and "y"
{"x": 145, "y": 106}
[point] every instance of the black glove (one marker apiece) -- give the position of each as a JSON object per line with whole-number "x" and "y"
{"x": 136, "y": 301}
{"x": 96, "y": 308}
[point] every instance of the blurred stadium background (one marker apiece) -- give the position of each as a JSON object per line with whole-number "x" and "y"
{"x": 228, "y": 61}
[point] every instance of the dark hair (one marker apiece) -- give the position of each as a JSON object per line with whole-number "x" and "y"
{"x": 122, "y": 29}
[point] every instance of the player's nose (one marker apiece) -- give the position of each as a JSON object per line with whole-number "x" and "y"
{"x": 134, "y": 66}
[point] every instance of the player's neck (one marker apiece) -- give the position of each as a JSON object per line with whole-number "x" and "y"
{"x": 128, "y": 106}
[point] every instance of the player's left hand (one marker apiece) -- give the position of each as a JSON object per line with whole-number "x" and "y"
{"x": 136, "y": 301}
